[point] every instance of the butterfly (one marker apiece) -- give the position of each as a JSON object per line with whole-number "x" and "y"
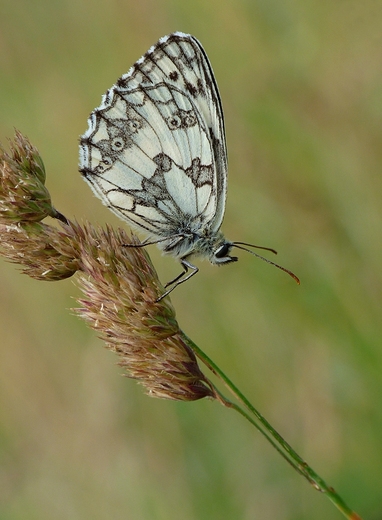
{"x": 155, "y": 154}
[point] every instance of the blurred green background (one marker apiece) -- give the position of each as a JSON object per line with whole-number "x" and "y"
{"x": 301, "y": 83}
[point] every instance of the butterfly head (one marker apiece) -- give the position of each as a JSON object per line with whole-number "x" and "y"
{"x": 220, "y": 254}
{"x": 211, "y": 245}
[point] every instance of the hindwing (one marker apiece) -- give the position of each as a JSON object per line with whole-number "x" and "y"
{"x": 155, "y": 149}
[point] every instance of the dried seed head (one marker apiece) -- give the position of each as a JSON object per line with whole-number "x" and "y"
{"x": 120, "y": 283}
{"x": 45, "y": 252}
{"x": 23, "y": 194}
{"x": 121, "y": 288}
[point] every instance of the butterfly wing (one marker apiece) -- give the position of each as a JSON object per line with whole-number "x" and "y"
{"x": 155, "y": 148}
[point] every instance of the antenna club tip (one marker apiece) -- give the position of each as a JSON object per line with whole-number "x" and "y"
{"x": 295, "y": 278}
{"x": 292, "y": 275}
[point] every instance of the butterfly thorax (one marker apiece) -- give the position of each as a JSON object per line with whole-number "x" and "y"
{"x": 204, "y": 243}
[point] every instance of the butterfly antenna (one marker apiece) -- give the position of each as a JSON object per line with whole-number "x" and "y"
{"x": 257, "y": 247}
{"x": 239, "y": 245}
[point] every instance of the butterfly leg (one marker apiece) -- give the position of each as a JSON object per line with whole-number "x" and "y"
{"x": 147, "y": 242}
{"x": 179, "y": 279}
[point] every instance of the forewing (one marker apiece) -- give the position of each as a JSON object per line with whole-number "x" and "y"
{"x": 155, "y": 149}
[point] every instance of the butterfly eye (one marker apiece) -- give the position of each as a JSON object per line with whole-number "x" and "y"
{"x": 174, "y": 122}
{"x": 223, "y": 250}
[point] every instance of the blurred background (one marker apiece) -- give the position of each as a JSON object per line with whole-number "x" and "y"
{"x": 301, "y": 84}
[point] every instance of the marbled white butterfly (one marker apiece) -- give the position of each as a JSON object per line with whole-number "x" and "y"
{"x": 155, "y": 154}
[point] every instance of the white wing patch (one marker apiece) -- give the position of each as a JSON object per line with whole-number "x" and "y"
{"x": 155, "y": 148}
